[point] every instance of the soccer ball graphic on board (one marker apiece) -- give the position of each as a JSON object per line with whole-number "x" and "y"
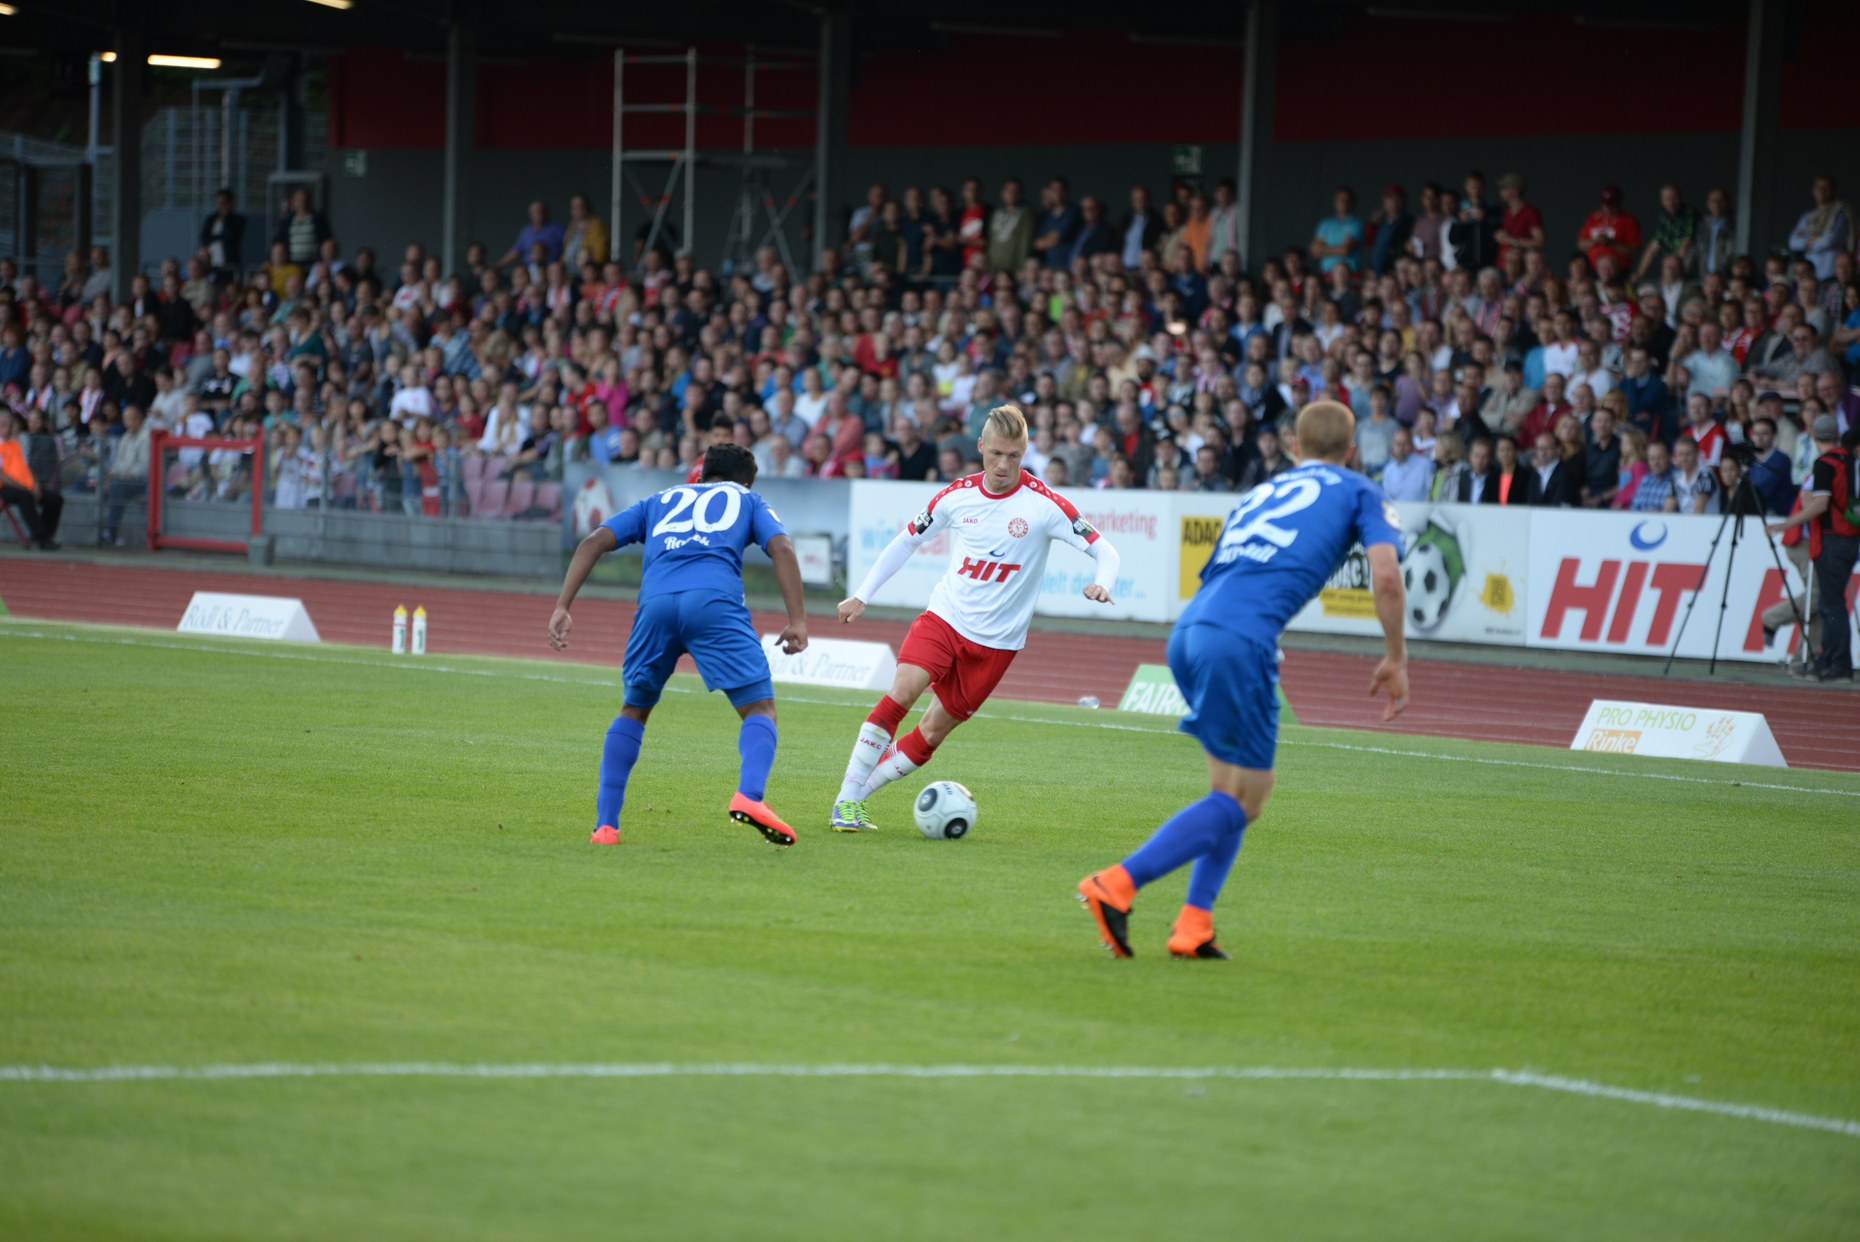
{"x": 1433, "y": 571}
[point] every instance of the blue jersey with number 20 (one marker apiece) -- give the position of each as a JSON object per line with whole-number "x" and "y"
{"x": 695, "y": 535}
{"x": 1282, "y": 542}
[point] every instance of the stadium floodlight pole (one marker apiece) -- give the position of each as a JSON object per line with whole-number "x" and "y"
{"x": 835, "y": 70}
{"x": 461, "y": 142}
{"x": 1744, "y": 499}
{"x": 821, "y": 153}
{"x": 1259, "y": 83}
{"x": 1757, "y": 128}
{"x": 691, "y": 108}
{"x": 615, "y": 203}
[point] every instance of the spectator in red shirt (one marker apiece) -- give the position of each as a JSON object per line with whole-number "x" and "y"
{"x": 1544, "y": 414}
{"x": 972, "y": 223}
{"x": 1610, "y": 232}
{"x": 1704, "y": 430}
{"x": 1523, "y": 226}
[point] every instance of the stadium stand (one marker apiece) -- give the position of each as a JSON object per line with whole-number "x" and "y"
{"x": 1146, "y": 349}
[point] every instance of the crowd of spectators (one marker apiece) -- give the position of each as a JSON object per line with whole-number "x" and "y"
{"x": 1491, "y": 356}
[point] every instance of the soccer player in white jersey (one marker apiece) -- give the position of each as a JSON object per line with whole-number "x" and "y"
{"x": 1001, "y": 523}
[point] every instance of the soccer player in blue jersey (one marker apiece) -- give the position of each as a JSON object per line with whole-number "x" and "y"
{"x": 691, "y": 599}
{"x": 1279, "y": 546}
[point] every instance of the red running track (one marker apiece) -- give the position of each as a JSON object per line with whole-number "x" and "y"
{"x": 1815, "y": 726}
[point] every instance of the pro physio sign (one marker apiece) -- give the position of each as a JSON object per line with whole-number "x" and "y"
{"x": 1618, "y": 727}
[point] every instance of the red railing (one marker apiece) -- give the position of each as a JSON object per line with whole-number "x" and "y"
{"x": 159, "y": 441}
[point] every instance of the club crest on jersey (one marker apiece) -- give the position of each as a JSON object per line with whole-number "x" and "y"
{"x": 921, "y": 523}
{"x": 1017, "y": 527}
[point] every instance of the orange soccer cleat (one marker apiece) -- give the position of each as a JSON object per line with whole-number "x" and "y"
{"x": 1193, "y": 935}
{"x": 1107, "y": 896}
{"x": 745, "y": 810}
{"x": 606, "y": 834}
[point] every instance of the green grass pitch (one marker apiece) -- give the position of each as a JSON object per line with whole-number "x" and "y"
{"x": 226, "y": 854}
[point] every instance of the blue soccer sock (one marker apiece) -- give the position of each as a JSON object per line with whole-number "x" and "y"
{"x": 755, "y": 742}
{"x": 617, "y": 759}
{"x": 1198, "y": 829}
{"x": 1210, "y": 872}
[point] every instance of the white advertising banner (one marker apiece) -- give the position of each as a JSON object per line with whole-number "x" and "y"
{"x": 842, "y": 662}
{"x": 248, "y": 616}
{"x": 1621, "y": 582}
{"x": 1464, "y": 570}
{"x": 1138, "y": 524}
{"x": 1557, "y": 578}
{"x": 1621, "y": 728}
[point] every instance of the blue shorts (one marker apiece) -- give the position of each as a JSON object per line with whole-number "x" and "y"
{"x": 1232, "y": 687}
{"x": 716, "y": 630}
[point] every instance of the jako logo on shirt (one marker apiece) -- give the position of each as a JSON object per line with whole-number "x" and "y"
{"x": 986, "y": 571}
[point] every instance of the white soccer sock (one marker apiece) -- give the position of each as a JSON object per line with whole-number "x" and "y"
{"x": 894, "y": 765}
{"x": 866, "y": 752}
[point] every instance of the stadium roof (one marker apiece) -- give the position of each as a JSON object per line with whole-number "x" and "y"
{"x": 235, "y": 28}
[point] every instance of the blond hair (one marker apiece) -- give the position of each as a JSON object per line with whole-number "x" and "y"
{"x": 1326, "y": 430}
{"x": 1006, "y": 422}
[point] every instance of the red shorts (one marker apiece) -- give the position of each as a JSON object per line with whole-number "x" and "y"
{"x": 962, "y": 673}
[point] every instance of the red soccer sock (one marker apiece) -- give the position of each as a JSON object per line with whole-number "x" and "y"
{"x": 888, "y": 715}
{"x": 914, "y": 747}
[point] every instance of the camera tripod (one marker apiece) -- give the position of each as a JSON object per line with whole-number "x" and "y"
{"x": 1744, "y": 502}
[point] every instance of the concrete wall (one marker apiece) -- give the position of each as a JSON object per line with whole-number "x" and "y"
{"x": 377, "y": 540}
{"x": 397, "y": 201}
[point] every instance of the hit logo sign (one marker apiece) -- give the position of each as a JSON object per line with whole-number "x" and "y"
{"x": 1612, "y": 595}
{"x": 986, "y": 571}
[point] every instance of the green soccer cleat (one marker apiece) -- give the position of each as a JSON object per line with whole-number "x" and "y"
{"x": 850, "y": 815}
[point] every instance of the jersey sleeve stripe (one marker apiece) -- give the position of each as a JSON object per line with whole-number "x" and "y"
{"x": 1083, "y": 529}
{"x": 1065, "y": 506}
{"x": 931, "y": 507}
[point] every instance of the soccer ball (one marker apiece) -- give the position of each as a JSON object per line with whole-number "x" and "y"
{"x": 1432, "y": 572}
{"x": 945, "y": 811}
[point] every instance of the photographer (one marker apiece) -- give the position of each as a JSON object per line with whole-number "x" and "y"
{"x": 1833, "y": 546}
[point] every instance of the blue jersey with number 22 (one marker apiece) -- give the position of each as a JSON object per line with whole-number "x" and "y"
{"x": 1282, "y": 542}
{"x": 695, "y": 535}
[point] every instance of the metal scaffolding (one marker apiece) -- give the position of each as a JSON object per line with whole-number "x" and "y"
{"x": 760, "y": 215}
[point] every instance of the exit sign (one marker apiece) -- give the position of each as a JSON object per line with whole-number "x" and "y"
{"x": 1187, "y": 161}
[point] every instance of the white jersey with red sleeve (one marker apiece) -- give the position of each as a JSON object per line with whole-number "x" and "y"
{"x": 998, "y": 548}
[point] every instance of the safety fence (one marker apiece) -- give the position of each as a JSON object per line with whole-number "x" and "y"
{"x": 233, "y": 494}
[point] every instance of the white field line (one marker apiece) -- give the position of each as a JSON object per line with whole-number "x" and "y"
{"x": 666, "y": 1069}
{"x": 426, "y": 665}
